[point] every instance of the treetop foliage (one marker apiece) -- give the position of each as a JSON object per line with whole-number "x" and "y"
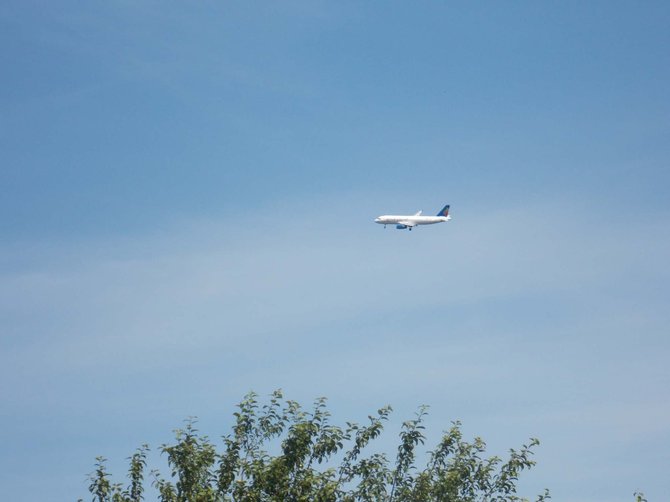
{"x": 317, "y": 461}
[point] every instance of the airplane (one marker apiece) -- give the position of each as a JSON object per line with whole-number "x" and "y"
{"x": 402, "y": 222}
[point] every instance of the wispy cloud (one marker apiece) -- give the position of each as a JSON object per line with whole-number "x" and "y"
{"x": 216, "y": 283}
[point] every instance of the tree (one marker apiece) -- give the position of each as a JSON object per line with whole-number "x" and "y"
{"x": 318, "y": 461}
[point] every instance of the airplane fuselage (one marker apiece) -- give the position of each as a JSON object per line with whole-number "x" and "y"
{"x": 396, "y": 219}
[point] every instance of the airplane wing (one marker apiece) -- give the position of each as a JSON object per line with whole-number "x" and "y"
{"x": 407, "y": 223}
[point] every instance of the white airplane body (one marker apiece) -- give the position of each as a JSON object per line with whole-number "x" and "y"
{"x": 402, "y": 222}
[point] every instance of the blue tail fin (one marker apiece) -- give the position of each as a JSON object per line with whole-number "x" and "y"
{"x": 445, "y": 211}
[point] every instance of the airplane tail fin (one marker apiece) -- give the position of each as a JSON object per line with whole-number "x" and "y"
{"x": 444, "y": 212}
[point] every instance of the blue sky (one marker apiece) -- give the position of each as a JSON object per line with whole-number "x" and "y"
{"x": 187, "y": 202}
